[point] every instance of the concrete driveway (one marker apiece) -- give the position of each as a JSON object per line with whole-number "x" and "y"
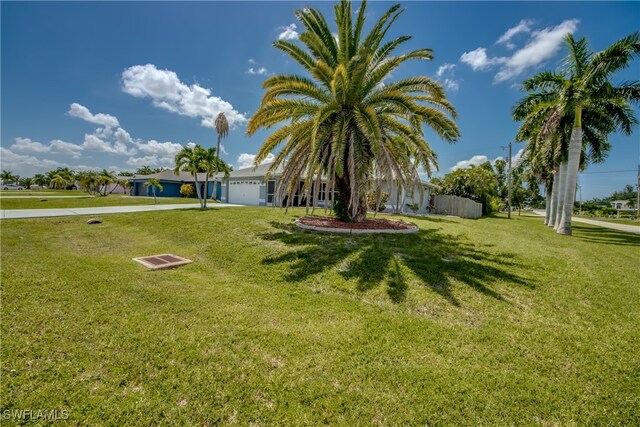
{"x": 44, "y": 213}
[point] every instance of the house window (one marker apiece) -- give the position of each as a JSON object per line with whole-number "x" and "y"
{"x": 271, "y": 189}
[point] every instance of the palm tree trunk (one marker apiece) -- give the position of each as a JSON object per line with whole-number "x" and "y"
{"x": 547, "y": 204}
{"x": 563, "y": 180}
{"x": 206, "y": 190}
{"x": 554, "y": 196}
{"x": 198, "y": 192}
{"x": 215, "y": 170}
{"x": 573, "y": 164}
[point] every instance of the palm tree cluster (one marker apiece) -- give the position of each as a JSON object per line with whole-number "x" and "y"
{"x": 101, "y": 182}
{"x": 346, "y": 123}
{"x": 198, "y": 160}
{"x": 568, "y": 116}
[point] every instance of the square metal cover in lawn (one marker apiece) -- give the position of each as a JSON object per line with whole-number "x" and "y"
{"x": 156, "y": 262}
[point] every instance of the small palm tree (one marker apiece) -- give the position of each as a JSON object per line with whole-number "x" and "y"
{"x": 8, "y": 177}
{"x": 58, "y": 182}
{"x": 222, "y": 129}
{"x": 40, "y": 180}
{"x": 154, "y": 183}
{"x": 190, "y": 159}
{"x": 346, "y": 121}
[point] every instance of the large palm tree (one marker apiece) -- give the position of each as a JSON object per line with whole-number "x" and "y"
{"x": 545, "y": 153}
{"x": 345, "y": 121}
{"x": 222, "y": 129}
{"x": 584, "y": 94}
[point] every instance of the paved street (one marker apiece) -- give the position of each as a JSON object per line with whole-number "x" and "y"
{"x": 43, "y": 213}
{"x": 620, "y": 227}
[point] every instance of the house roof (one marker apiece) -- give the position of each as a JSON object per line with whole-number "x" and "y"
{"x": 170, "y": 176}
{"x": 250, "y": 172}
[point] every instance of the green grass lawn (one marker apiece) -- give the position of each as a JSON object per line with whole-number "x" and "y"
{"x": 86, "y": 201}
{"x": 468, "y": 322}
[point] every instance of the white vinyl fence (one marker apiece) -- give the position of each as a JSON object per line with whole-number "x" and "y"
{"x": 457, "y": 206}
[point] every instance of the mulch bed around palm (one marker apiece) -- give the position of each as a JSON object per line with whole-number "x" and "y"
{"x": 368, "y": 224}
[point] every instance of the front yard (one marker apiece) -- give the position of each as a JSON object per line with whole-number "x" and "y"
{"x": 468, "y": 322}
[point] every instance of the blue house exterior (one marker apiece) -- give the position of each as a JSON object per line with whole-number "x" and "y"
{"x": 171, "y": 184}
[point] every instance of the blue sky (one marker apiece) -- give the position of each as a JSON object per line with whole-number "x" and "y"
{"x": 119, "y": 85}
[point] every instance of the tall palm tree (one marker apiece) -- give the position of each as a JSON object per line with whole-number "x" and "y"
{"x": 584, "y": 94}
{"x": 346, "y": 121}
{"x": 190, "y": 159}
{"x": 222, "y": 129}
{"x": 154, "y": 183}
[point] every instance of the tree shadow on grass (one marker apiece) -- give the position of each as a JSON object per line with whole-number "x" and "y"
{"x": 605, "y": 236}
{"x": 373, "y": 260}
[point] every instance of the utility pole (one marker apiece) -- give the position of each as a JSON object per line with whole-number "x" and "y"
{"x": 509, "y": 185}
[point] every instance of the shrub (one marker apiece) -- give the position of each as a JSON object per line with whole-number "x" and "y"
{"x": 372, "y": 198}
{"x": 187, "y": 190}
{"x": 414, "y": 207}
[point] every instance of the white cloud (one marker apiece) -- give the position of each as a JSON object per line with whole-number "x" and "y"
{"x": 160, "y": 148}
{"x": 259, "y": 71}
{"x": 222, "y": 150}
{"x": 476, "y": 160}
{"x": 246, "y": 160}
{"x": 289, "y": 33}
{"x": 478, "y": 59}
{"x": 445, "y": 68}
{"x": 252, "y": 61}
{"x": 23, "y": 164}
{"x": 142, "y": 161}
{"x": 59, "y": 146}
{"x": 524, "y": 26}
{"x": 542, "y": 46}
{"x": 93, "y": 142}
{"x": 446, "y": 75}
{"x": 27, "y": 145}
{"x": 83, "y": 113}
{"x": 55, "y": 146}
{"x": 168, "y": 92}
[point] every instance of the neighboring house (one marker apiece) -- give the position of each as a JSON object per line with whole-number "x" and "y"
{"x": 171, "y": 184}
{"x": 622, "y": 205}
{"x": 249, "y": 186}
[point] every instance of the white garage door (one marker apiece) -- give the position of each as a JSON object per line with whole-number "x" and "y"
{"x": 244, "y": 192}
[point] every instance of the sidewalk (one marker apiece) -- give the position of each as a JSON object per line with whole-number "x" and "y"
{"x": 620, "y": 227}
{"x": 44, "y": 213}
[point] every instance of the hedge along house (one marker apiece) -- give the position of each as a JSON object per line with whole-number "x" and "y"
{"x": 171, "y": 184}
{"x": 251, "y": 186}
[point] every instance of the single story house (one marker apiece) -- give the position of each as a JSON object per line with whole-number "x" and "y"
{"x": 622, "y": 205}
{"x": 249, "y": 186}
{"x": 171, "y": 184}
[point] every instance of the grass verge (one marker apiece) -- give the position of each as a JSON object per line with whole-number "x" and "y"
{"x": 468, "y": 322}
